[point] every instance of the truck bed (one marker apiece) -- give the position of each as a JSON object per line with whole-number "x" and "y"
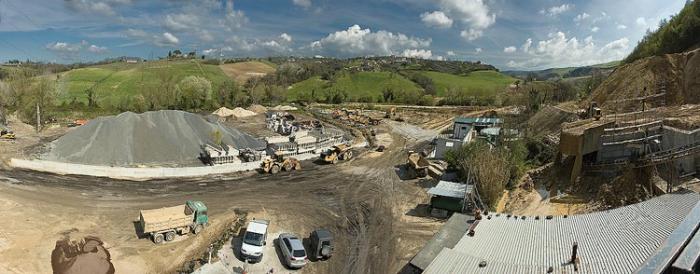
{"x": 164, "y": 218}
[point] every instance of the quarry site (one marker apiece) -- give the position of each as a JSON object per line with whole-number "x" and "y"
{"x": 198, "y": 142}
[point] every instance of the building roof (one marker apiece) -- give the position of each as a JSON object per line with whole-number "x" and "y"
{"x": 495, "y": 131}
{"x": 613, "y": 241}
{"x": 448, "y": 235}
{"x": 450, "y": 189}
{"x": 478, "y": 120}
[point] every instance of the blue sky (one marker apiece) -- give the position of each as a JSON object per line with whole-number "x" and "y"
{"x": 508, "y": 34}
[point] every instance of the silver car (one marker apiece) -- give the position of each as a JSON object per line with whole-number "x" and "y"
{"x": 292, "y": 250}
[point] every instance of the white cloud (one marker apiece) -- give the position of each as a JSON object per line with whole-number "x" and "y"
{"x": 302, "y": 3}
{"x": 556, "y": 10}
{"x": 436, "y": 19}
{"x": 641, "y": 21}
{"x": 356, "y": 41}
{"x": 182, "y": 22}
{"x": 97, "y": 49}
{"x": 621, "y": 26}
{"x": 169, "y": 39}
{"x": 209, "y": 52}
{"x": 595, "y": 29}
{"x": 450, "y": 53}
{"x": 510, "y": 49}
{"x": 478, "y": 50}
{"x": 559, "y": 50}
{"x": 581, "y": 17}
{"x": 474, "y": 15}
{"x": 526, "y": 46}
{"x": 471, "y": 34}
{"x": 286, "y": 37}
{"x": 87, "y": 6}
{"x": 63, "y": 47}
{"x": 417, "y": 53}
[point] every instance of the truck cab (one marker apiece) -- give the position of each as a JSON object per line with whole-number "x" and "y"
{"x": 200, "y": 213}
{"x": 254, "y": 240}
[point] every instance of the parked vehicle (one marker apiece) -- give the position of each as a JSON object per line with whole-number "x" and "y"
{"x": 254, "y": 240}
{"x": 292, "y": 250}
{"x": 163, "y": 223}
{"x": 321, "y": 244}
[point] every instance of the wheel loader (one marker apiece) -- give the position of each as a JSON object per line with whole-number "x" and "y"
{"x": 337, "y": 152}
{"x": 6, "y": 134}
{"x": 279, "y": 163}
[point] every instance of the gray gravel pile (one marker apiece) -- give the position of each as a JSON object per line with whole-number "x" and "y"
{"x": 157, "y": 137}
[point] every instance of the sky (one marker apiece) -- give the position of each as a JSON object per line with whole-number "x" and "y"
{"x": 511, "y": 35}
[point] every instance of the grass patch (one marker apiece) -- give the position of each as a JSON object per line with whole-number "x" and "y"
{"x": 360, "y": 86}
{"x": 477, "y": 83}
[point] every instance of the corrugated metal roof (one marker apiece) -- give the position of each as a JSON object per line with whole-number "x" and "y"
{"x": 613, "y": 241}
{"x": 448, "y": 236}
{"x": 491, "y": 131}
{"x": 450, "y": 189}
{"x": 479, "y": 120}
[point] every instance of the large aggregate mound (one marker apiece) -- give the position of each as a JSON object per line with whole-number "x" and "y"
{"x": 87, "y": 255}
{"x": 157, "y": 137}
{"x": 680, "y": 73}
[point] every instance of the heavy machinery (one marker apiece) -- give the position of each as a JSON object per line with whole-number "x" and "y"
{"x": 164, "y": 223}
{"x": 390, "y": 113}
{"x": 594, "y": 111}
{"x": 321, "y": 244}
{"x": 337, "y": 152}
{"x": 279, "y": 163}
{"x": 6, "y": 134}
{"x": 417, "y": 165}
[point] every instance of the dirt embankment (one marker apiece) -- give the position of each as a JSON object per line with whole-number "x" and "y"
{"x": 679, "y": 72}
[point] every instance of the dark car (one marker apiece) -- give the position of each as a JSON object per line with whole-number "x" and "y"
{"x": 321, "y": 244}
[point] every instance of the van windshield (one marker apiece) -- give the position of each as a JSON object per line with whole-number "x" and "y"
{"x": 253, "y": 238}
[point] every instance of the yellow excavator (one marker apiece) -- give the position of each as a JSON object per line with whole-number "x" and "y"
{"x": 278, "y": 163}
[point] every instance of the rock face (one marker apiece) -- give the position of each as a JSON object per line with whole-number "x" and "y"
{"x": 679, "y": 72}
{"x": 166, "y": 137}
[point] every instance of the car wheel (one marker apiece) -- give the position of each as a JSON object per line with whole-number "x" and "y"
{"x": 197, "y": 229}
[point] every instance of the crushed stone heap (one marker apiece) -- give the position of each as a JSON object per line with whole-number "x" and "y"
{"x": 166, "y": 137}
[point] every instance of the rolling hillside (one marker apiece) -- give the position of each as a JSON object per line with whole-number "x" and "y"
{"x": 359, "y": 86}
{"x": 114, "y": 81}
{"x": 477, "y": 83}
{"x": 242, "y": 71}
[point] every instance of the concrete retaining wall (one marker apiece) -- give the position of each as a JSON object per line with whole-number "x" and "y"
{"x": 137, "y": 173}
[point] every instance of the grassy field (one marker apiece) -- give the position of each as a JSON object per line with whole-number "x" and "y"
{"x": 477, "y": 83}
{"x": 243, "y": 71}
{"x": 112, "y": 82}
{"x": 357, "y": 85}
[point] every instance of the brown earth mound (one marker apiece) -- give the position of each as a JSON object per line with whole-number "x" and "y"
{"x": 87, "y": 255}
{"x": 679, "y": 72}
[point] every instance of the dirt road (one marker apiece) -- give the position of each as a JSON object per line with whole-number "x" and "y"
{"x": 363, "y": 202}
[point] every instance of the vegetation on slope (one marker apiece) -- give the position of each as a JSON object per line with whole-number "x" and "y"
{"x": 678, "y": 34}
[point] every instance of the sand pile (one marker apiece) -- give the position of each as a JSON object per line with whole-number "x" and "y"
{"x": 87, "y": 255}
{"x": 236, "y": 112}
{"x": 257, "y": 109}
{"x": 156, "y": 137}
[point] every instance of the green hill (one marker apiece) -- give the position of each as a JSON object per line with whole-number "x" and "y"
{"x": 678, "y": 34}
{"x": 477, "y": 83}
{"x": 359, "y": 86}
{"x": 114, "y": 81}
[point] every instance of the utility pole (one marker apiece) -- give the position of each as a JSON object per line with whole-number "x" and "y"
{"x": 38, "y": 118}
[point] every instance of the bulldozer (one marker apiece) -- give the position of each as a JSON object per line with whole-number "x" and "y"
{"x": 337, "y": 152}
{"x": 6, "y": 134}
{"x": 417, "y": 165}
{"x": 279, "y": 163}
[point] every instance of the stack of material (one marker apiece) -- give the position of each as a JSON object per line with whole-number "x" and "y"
{"x": 236, "y": 112}
{"x": 157, "y": 137}
{"x": 283, "y": 108}
{"x": 257, "y": 109}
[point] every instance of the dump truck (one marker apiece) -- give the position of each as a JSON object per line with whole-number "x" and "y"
{"x": 164, "y": 223}
{"x": 337, "y": 152}
{"x": 278, "y": 163}
{"x": 417, "y": 164}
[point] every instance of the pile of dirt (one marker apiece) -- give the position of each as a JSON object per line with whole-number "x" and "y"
{"x": 549, "y": 120}
{"x": 87, "y": 255}
{"x": 236, "y": 112}
{"x": 156, "y": 137}
{"x": 257, "y": 109}
{"x": 679, "y": 72}
{"x": 631, "y": 187}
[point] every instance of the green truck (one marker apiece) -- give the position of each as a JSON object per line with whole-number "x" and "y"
{"x": 164, "y": 223}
